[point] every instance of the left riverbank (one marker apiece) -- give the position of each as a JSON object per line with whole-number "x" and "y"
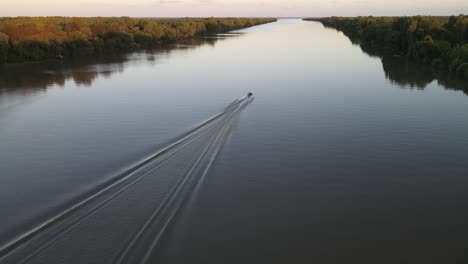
{"x": 24, "y": 39}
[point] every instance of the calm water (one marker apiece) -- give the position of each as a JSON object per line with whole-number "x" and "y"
{"x": 339, "y": 159}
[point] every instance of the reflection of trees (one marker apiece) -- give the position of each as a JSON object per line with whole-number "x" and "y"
{"x": 412, "y": 75}
{"x": 41, "y": 75}
{"x": 84, "y": 78}
{"x": 83, "y": 72}
{"x": 406, "y": 74}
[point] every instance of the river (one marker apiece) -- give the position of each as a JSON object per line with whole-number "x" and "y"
{"x": 341, "y": 156}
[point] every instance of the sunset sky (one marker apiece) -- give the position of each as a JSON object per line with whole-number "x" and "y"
{"x": 277, "y": 8}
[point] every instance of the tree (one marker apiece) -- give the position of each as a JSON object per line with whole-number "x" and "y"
{"x": 4, "y": 47}
{"x": 439, "y": 41}
{"x": 37, "y": 38}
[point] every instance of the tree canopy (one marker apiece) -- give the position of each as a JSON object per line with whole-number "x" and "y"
{"x": 439, "y": 41}
{"x": 38, "y": 38}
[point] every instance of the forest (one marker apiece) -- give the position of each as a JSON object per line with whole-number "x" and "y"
{"x": 438, "y": 41}
{"x": 25, "y": 39}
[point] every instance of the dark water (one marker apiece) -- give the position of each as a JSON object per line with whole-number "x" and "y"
{"x": 342, "y": 157}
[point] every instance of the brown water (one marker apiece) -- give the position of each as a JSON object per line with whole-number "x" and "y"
{"x": 340, "y": 158}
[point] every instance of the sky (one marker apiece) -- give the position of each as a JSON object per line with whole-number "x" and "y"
{"x": 237, "y": 8}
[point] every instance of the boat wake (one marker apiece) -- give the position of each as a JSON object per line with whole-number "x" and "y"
{"x": 124, "y": 221}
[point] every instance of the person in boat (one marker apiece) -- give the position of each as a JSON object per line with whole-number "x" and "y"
{"x": 249, "y": 94}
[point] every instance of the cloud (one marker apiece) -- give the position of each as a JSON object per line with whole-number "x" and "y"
{"x": 164, "y": 2}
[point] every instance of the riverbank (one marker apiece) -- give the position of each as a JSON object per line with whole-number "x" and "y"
{"x": 441, "y": 42}
{"x": 24, "y": 39}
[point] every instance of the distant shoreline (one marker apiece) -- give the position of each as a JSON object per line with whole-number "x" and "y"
{"x": 28, "y": 39}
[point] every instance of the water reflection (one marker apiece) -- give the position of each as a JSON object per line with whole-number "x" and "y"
{"x": 319, "y": 160}
{"x": 410, "y": 75}
{"x": 83, "y": 72}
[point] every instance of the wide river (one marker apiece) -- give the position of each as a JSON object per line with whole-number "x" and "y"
{"x": 339, "y": 158}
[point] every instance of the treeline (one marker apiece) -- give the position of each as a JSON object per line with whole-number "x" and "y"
{"x": 38, "y": 38}
{"x": 439, "y": 41}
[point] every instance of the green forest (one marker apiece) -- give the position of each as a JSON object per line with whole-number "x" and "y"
{"x": 25, "y": 39}
{"x": 438, "y": 41}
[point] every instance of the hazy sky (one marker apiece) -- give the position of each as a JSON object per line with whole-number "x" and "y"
{"x": 179, "y": 8}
